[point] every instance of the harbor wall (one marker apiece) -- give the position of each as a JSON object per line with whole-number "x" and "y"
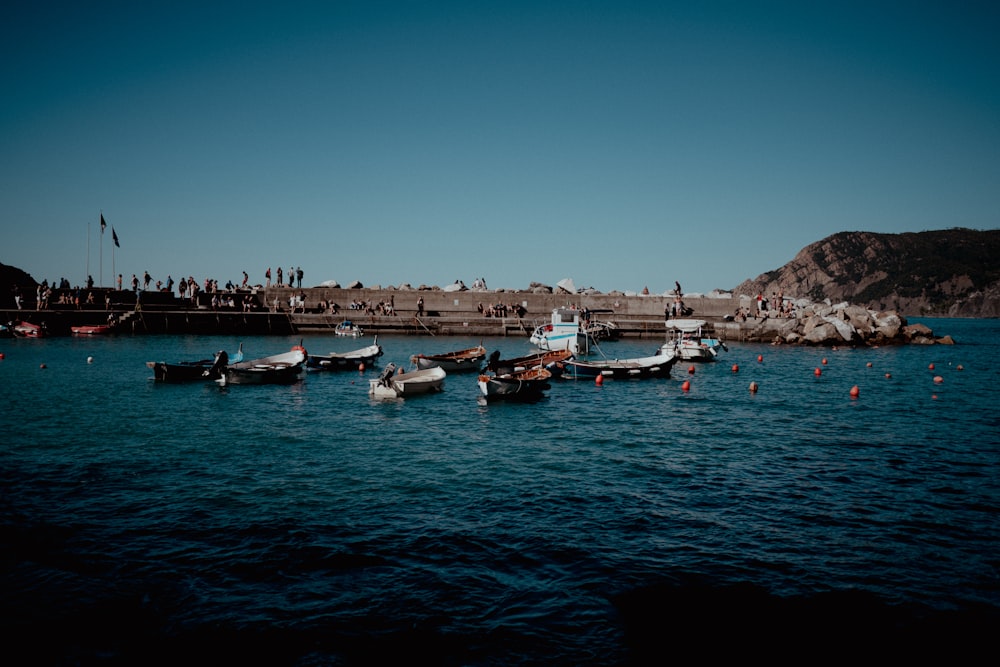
{"x": 445, "y": 312}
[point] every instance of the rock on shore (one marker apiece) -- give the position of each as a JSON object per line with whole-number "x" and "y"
{"x": 841, "y": 324}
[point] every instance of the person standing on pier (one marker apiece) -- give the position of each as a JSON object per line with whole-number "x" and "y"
{"x": 279, "y": 276}
{"x": 298, "y": 274}
{"x": 267, "y": 277}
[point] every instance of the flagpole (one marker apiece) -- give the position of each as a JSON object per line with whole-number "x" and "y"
{"x": 102, "y": 252}
{"x": 88, "y": 250}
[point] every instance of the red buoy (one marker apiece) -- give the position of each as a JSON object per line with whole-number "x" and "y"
{"x": 599, "y": 380}
{"x": 361, "y": 367}
{"x": 686, "y": 386}
{"x": 760, "y": 357}
{"x": 691, "y": 369}
{"x": 817, "y": 372}
{"x": 931, "y": 367}
{"x": 736, "y": 368}
{"x": 855, "y": 392}
{"x": 938, "y": 379}
{"x": 824, "y": 361}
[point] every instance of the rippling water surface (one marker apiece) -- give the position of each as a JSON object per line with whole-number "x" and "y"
{"x": 312, "y": 524}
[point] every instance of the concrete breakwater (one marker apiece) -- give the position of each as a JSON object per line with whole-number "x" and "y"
{"x": 286, "y": 311}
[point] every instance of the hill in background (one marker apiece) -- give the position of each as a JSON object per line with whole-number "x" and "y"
{"x": 945, "y": 273}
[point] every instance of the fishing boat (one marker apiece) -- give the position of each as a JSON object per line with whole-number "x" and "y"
{"x": 403, "y": 385}
{"x": 284, "y": 368}
{"x": 459, "y": 361}
{"x": 690, "y": 343}
{"x": 564, "y": 331}
{"x": 203, "y": 370}
{"x": 551, "y": 360}
{"x": 344, "y": 361}
{"x": 25, "y": 329}
{"x": 349, "y": 328}
{"x": 527, "y": 384}
{"x": 658, "y": 365}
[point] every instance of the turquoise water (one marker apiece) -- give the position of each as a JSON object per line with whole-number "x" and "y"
{"x": 312, "y": 524}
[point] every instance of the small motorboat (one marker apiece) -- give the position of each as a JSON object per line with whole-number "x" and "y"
{"x": 551, "y": 360}
{"x": 284, "y": 368}
{"x": 342, "y": 361}
{"x": 527, "y": 384}
{"x": 203, "y": 370}
{"x": 24, "y": 329}
{"x": 92, "y": 330}
{"x": 402, "y": 385}
{"x": 690, "y": 342}
{"x": 349, "y": 328}
{"x": 459, "y": 361}
{"x": 658, "y": 365}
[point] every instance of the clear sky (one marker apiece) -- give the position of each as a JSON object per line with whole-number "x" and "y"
{"x": 620, "y": 144}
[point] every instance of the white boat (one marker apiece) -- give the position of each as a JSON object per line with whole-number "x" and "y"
{"x": 284, "y": 368}
{"x": 689, "y": 342}
{"x": 657, "y": 366}
{"x": 349, "y": 328}
{"x": 401, "y": 385}
{"x": 563, "y": 332}
{"x": 340, "y": 361}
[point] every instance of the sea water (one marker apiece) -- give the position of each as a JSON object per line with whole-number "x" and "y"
{"x": 313, "y": 524}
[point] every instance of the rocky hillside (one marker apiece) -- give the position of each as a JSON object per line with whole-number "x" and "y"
{"x": 946, "y": 273}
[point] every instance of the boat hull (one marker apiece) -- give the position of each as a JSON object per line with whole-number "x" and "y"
{"x": 91, "y": 330}
{"x": 185, "y": 371}
{"x": 404, "y": 385}
{"x": 620, "y": 369}
{"x": 348, "y": 361}
{"x": 264, "y": 374}
{"x": 284, "y": 368}
{"x": 463, "y": 361}
{"x": 526, "y": 385}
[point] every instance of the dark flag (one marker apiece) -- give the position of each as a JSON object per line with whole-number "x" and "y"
{"x": 103, "y": 224}
{"x": 114, "y": 237}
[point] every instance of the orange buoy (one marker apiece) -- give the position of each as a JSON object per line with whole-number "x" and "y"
{"x": 930, "y": 367}
{"x": 760, "y": 357}
{"x": 855, "y": 392}
{"x": 691, "y": 369}
{"x": 869, "y": 364}
{"x": 753, "y": 387}
{"x": 888, "y": 375}
{"x": 599, "y": 380}
{"x": 43, "y": 366}
{"x": 1, "y": 355}
{"x": 824, "y": 361}
{"x": 686, "y": 386}
{"x": 361, "y": 367}
{"x": 817, "y": 372}
{"x": 959, "y": 367}
{"x": 938, "y": 379}
{"x": 736, "y": 368}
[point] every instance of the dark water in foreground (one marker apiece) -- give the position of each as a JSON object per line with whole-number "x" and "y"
{"x": 625, "y": 523}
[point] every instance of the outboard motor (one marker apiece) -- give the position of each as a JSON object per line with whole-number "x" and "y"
{"x": 219, "y": 367}
{"x": 491, "y": 365}
{"x": 386, "y": 377}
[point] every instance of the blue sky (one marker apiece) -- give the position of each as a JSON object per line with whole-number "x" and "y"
{"x": 621, "y": 144}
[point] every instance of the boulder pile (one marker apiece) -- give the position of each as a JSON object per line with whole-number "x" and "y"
{"x": 840, "y": 324}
